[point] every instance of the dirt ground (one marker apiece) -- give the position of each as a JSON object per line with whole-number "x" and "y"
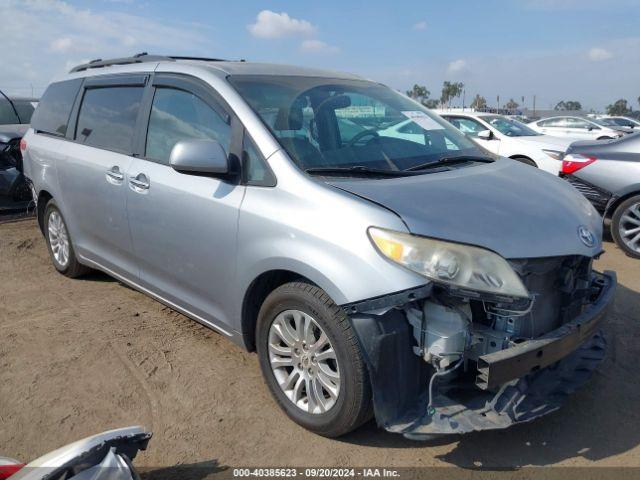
{"x": 81, "y": 356}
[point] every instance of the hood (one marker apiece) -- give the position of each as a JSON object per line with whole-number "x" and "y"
{"x": 510, "y": 208}
{"x": 548, "y": 142}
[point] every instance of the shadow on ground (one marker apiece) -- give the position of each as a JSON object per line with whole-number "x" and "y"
{"x": 188, "y": 471}
{"x": 601, "y": 420}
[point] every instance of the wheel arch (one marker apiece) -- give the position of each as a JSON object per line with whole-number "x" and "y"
{"x": 524, "y": 159}
{"x": 255, "y": 295}
{"x": 43, "y": 198}
{"x": 611, "y": 208}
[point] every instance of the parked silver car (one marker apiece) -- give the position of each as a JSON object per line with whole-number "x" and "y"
{"x": 437, "y": 286}
{"x": 608, "y": 174}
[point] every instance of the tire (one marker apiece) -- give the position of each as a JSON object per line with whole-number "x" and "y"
{"x": 627, "y": 218}
{"x": 352, "y": 407}
{"x": 526, "y": 161}
{"x": 56, "y": 234}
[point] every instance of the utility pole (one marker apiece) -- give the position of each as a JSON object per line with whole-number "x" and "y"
{"x": 534, "y": 106}
{"x": 498, "y": 108}
{"x": 463, "y": 93}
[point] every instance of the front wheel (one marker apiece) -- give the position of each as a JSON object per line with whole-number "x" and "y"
{"x": 311, "y": 360}
{"x": 625, "y": 226}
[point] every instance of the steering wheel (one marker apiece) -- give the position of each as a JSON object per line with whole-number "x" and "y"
{"x": 359, "y": 136}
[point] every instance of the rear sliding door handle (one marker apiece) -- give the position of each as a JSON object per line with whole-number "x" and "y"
{"x": 114, "y": 175}
{"x": 140, "y": 183}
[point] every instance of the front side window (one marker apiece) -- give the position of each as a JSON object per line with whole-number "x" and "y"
{"x": 53, "y": 111}
{"x": 179, "y": 115}
{"x": 509, "y": 127}
{"x": 327, "y": 123}
{"x": 107, "y": 117}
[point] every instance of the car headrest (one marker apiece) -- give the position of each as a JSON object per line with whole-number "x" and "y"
{"x": 289, "y": 118}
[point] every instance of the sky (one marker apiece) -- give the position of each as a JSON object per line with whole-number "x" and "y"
{"x": 585, "y": 50}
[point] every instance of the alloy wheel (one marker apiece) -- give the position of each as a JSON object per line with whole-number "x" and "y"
{"x": 629, "y": 227}
{"x": 304, "y": 362}
{"x": 58, "y": 238}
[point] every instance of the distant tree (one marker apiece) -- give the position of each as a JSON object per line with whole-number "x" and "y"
{"x": 512, "y": 104}
{"x": 421, "y": 94}
{"x": 431, "y": 103}
{"x": 479, "y": 103}
{"x": 619, "y": 108}
{"x": 450, "y": 90}
{"x": 568, "y": 105}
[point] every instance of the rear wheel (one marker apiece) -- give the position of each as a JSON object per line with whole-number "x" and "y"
{"x": 59, "y": 243}
{"x": 311, "y": 360}
{"x": 604, "y": 138}
{"x": 625, "y": 226}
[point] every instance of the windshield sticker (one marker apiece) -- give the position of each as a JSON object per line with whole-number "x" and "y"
{"x": 422, "y": 119}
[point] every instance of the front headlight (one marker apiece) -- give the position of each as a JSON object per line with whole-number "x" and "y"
{"x": 452, "y": 263}
{"x": 555, "y": 154}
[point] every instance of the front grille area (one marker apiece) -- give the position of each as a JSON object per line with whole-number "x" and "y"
{"x": 561, "y": 288}
{"x": 597, "y": 196}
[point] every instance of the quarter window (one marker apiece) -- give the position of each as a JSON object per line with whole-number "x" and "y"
{"x": 179, "y": 115}
{"x": 54, "y": 109}
{"x": 256, "y": 172}
{"x": 107, "y": 117}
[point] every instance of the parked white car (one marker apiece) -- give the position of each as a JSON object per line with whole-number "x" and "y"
{"x": 575, "y": 127}
{"x": 625, "y": 122}
{"x": 511, "y": 138}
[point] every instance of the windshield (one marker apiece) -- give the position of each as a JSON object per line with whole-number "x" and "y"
{"x": 326, "y": 123}
{"x": 509, "y": 127}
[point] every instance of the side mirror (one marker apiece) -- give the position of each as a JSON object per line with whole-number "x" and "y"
{"x": 590, "y": 127}
{"x": 199, "y": 156}
{"x": 485, "y": 135}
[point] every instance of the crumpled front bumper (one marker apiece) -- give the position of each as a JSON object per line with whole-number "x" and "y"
{"x": 515, "y": 385}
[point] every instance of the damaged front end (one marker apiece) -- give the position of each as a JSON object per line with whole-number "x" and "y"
{"x": 445, "y": 360}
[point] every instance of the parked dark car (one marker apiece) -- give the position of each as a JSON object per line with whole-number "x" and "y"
{"x": 608, "y": 174}
{"x": 15, "y": 116}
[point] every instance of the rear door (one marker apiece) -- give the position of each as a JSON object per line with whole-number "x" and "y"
{"x": 93, "y": 176}
{"x": 578, "y": 128}
{"x": 184, "y": 227}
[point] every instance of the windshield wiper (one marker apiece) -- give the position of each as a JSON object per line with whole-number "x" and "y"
{"x": 449, "y": 161}
{"x": 358, "y": 169}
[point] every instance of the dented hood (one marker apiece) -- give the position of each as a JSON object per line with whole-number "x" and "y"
{"x": 508, "y": 207}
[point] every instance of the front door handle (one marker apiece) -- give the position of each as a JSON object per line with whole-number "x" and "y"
{"x": 140, "y": 183}
{"x": 114, "y": 175}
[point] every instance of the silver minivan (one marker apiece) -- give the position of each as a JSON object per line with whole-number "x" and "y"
{"x": 423, "y": 281}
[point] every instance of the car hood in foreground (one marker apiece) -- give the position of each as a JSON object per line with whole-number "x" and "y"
{"x": 510, "y": 208}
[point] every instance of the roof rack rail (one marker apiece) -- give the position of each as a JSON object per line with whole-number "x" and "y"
{"x": 204, "y": 59}
{"x": 138, "y": 58}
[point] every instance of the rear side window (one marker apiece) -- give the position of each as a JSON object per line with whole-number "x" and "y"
{"x": 179, "y": 115}
{"x": 52, "y": 114}
{"x": 107, "y": 117}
